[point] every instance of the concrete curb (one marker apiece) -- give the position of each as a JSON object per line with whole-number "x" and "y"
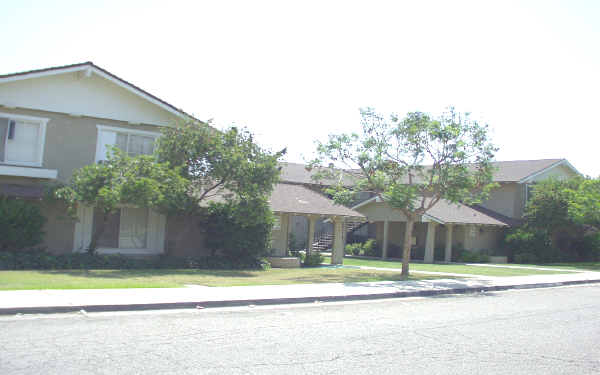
{"x": 280, "y": 301}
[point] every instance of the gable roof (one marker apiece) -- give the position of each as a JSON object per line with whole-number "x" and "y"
{"x": 445, "y": 212}
{"x": 506, "y": 171}
{"x": 89, "y": 67}
{"x": 518, "y": 170}
{"x": 298, "y": 174}
{"x": 298, "y": 199}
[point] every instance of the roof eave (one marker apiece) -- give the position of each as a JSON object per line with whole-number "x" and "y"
{"x": 89, "y": 66}
{"x": 564, "y": 162}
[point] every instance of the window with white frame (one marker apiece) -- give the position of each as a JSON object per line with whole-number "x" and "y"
{"x": 22, "y": 140}
{"x": 130, "y": 228}
{"x": 133, "y": 142}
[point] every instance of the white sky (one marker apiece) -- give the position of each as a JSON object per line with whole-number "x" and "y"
{"x": 293, "y": 72}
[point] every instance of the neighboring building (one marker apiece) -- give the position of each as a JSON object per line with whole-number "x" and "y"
{"x": 56, "y": 120}
{"x": 446, "y": 225}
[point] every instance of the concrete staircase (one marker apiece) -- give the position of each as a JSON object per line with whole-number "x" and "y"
{"x": 324, "y": 239}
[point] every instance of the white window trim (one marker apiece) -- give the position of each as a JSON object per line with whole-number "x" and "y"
{"x": 155, "y": 240}
{"x": 119, "y": 130}
{"x": 41, "y": 141}
{"x": 10, "y": 170}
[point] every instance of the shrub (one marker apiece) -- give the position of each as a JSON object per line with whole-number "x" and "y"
{"x": 21, "y": 224}
{"x": 314, "y": 259}
{"x": 525, "y": 258}
{"x": 353, "y": 249}
{"x": 41, "y": 260}
{"x": 240, "y": 229}
{"x": 371, "y": 248}
{"x": 473, "y": 257}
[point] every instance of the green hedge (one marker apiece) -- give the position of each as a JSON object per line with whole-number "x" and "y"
{"x": 42, "y": 260}
{"x": 21, "y": 224}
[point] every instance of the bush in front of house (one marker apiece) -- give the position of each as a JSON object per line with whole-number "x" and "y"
{"x": 371, "y": 248}
{"x": 239, "y": 229}
{"x": 368, "y": 248}
{"x": 313, "y": 259}
{"x": 467, "y": 256}
{"x": 41, "y": 260}
{"x": 21, "y": 224}
{"x": 353, "y": 248}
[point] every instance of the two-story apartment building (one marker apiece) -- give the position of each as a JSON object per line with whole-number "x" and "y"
{"x": 54, "y": 121}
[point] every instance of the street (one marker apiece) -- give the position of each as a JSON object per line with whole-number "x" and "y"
{"x": 540, "y": 331}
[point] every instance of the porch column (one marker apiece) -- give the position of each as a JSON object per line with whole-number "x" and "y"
{"x": 337, "y": 253}
{"x": 448, "y": 253}
{"x": 430, "y": 242}
{"x": 384, "y": 251}
{"x": 312, "y": 221}
{"x": 285, "y": 231}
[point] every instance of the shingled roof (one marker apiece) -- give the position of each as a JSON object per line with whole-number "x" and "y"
{"x": 298, "y": 199}
{"x": 506, "y": 171}
{"x": 452, "y": 213}
{"x": 445, "y": 212}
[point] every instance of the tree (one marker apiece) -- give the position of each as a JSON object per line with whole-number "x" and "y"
{"x": 231, "y": 179}
{"x": 225, "y": 164}
{"x": 388, "y": 160}
{"x": 567, "y": 214}
{"x": 122, "y": 180}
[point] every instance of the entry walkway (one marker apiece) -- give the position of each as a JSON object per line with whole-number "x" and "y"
{"x": 53, "y": 301}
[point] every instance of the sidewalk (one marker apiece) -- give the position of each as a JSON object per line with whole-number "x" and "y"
{"x": 56, "y": 301}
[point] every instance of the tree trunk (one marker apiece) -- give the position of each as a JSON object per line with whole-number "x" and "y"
{"x": 407, "y": 245}
{"x": 97, "y": 233}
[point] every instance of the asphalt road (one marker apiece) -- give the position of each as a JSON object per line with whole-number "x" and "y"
{"x": 543, "y": 331}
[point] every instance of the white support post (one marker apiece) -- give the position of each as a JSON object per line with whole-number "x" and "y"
{"x": 430, "y": 242}
{"x": 448, "y": 253}
{"x": 384, "y": 251}
{"x": 312, "y": 221}
{"x": 337, "y": 254}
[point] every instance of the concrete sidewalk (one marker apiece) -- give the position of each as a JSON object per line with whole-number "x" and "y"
{"x": 55, "y": 301}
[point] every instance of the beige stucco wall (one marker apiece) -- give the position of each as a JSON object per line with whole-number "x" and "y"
{"x": 504, "y": 199}
{"x": 71, "y": 141}
{"x": 70, "y": 144}
{"x": 487, "y": 238}
{"x": 184, "y": 237}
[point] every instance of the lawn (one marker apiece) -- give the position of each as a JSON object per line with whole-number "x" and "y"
{"x": 452, "y": 268}
{"x": 110, "y": 279}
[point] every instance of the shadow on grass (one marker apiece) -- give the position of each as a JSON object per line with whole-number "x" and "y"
{"x": 126, "y": 274}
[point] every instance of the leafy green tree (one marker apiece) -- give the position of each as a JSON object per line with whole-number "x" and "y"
{"x": 225, "y": 164}
{"x": 567, "y": 213}
{"x": 231, "y": 179}
{"x": 388, "y": 160}
{"x": 123, "y": 180}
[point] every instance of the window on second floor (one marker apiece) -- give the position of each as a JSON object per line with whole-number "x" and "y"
{"x": 133, "y": 142}
{"x": 22, "y": 140}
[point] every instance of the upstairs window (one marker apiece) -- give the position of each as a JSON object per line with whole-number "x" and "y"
{"x": 22, "y": 140}
{"x": 133, "y": 142}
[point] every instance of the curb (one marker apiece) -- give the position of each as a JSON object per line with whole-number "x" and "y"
{"x": 279, "y": 301}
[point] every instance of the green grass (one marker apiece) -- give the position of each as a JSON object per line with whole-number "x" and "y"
{"x": 451, "y": 268}
{"x": 110, "y": 279}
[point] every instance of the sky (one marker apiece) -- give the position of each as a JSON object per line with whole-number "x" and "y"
{"x": 296, "y": 71}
